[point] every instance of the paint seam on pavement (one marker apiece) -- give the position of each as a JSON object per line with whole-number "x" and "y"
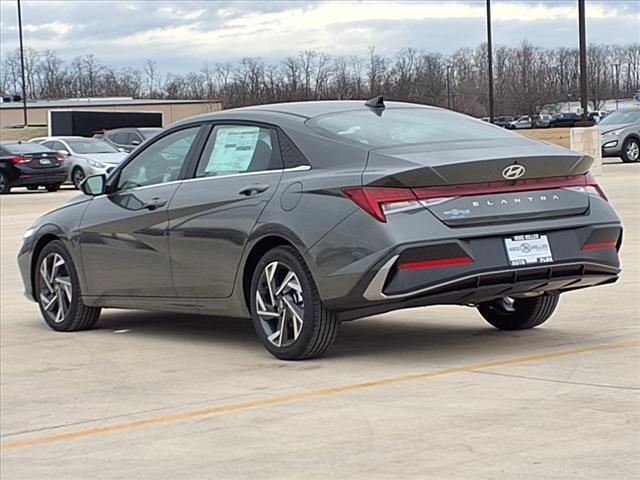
{"x": 263, "y": 402}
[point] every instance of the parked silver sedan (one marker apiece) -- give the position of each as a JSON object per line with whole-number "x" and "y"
{"x": 85, "y": 156}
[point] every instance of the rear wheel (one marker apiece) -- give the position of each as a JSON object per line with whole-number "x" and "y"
{"x": 287, "y": 311}
{"x": 77, "y": 176}
{"x": 519, "y": 313}
{"x": 4, "y": 184}
{"x": 57, "y": 290}
{"x": 631, "y": 151}
{"x": 52, "y": 187}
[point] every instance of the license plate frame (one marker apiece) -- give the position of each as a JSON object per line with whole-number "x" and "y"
{"x": 45, "y": 161}
{"x": 528, "y": 249}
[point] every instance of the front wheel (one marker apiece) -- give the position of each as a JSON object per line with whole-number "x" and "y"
{"x": 57, "y": 290}
{"x": 288, "y": 314}
{"x": 631, "y": 151}
{"x": 519, "y": 313}
{"x": 77, "y": 176}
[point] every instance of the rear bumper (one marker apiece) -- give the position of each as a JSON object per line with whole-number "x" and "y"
{"x": 487, "y": 275}
{"x": 26, "y": 179}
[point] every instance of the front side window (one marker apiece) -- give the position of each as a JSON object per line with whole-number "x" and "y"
{"x": 405, "y": 126}
{"x": 160, "y": 162}
{"x": 121, "y": 138}
{"x": 233, "y": 149}
{"x": 90, "y": 145}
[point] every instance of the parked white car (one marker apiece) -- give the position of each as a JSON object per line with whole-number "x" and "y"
{"x": 523, "y": 121}
{"x": 85, "y": 156}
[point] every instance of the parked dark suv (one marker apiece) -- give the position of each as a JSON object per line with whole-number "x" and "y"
{"x": 26, "y": 164}
{"x": 127, "y": 138}
{"x": 568, "y": 119}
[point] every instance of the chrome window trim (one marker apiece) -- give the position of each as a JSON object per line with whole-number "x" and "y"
{"x": 259, "y": 172}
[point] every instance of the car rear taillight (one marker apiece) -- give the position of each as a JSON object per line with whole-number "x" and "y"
{"x": 18, "y": 159}
{"x": 60, "y": 158}
{"x": 378, "y": 201}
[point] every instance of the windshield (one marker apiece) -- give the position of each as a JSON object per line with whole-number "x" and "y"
{"x": 400, "y": 126}
{"x": 90, "y": 145}
{"x": 149, "y": 132}
{"x": 622, "y": 116}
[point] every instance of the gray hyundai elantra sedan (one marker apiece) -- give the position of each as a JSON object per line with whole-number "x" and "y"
{"x": 305, "y": 215}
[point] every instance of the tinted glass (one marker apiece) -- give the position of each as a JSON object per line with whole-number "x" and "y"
{"x": 54, "y": 145}
{"x": 121, "y": 138}
{"x": 90, "y": 146}
{"x": 25, "y": 147}
{"x": 405, "y": 126}
{"x": 236, "y": 149}
{"x": 149, "y": 132}
{"x": 622, "y": 116}
{"x": 160, "y": 162}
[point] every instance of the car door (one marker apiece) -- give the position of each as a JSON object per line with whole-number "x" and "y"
{"x": 123, "y": 238}
{"x": 212, "y": 214}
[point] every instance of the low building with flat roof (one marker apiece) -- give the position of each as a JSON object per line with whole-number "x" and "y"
{"x": 38, "y": 111}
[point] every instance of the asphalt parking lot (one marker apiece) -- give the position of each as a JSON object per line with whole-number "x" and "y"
{"x": 423, "y": 393}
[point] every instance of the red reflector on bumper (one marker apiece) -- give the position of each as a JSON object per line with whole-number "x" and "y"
{"x": 442, "y": 262}
{"x": 598, "y": 245}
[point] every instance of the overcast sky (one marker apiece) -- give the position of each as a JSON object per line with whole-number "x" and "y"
{"x": 180, "y": 35}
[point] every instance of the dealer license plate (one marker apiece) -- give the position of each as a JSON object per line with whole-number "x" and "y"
{"x": 528, "y": 249}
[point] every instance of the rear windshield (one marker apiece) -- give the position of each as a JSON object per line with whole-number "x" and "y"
{"x": 149, "y": 132}
{"x": 25, "y": 147}
{"x": 401, "y": 126}
{"x": 90, "y": 145}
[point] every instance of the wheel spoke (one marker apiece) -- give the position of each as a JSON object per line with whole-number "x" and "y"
{"x": 262, "y": 308}
{"x": 279, "y": 332}
{"x": 66, "y": 286}
{"x": 296, "y": 317}
{"x": 270, "y": 272}
{"x": 44, "y": 274}
{"x": 47, "y": 303}
{"x": 285, "y": 283}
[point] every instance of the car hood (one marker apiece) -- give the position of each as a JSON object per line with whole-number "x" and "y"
{"x": 111, "y": 158}
{"x": 614, "y": 126}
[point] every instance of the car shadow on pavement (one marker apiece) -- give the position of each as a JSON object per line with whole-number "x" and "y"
{"x": 403, "y": 335}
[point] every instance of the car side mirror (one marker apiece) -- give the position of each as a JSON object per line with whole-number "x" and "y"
{"x": 135, "y": 142}
{"x": 63, "y": 152}
{"x": 94, "y": 185}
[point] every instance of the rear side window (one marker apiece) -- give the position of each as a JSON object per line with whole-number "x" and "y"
{"x": 401, "y": 126}
{"x": 121, "y": 138}
{"x": 233, "y": 149}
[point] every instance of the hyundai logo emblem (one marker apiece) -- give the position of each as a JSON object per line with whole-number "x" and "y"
{"x": 513, "y": 172}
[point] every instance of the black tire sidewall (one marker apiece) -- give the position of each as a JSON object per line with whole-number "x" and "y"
{"x": 7, "y": 188}
{"x": 73, "y": 176}
{"x": 53, "y": 187}
{"x": 56, "y": 246}
{"x": 311, "y": 313}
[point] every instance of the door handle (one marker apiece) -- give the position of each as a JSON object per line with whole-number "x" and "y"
{"x": 254, "y": 189}
{"x": 154, "y": 203}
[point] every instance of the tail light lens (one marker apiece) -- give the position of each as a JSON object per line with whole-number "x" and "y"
{"x": 60, "y": 158}
{"x": 18, "y": 159}
{"x": 378, "y": 201}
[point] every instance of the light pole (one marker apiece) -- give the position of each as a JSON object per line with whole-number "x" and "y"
{"x": 448, "y": 87}
{"x": 24, "y": 83}
{"x": 617, "y": 75}
{"x": 582, "y": 33}
{"x": 490, "y": 60}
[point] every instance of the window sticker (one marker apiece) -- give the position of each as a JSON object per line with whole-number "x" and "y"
{"x": 233, "y": 149}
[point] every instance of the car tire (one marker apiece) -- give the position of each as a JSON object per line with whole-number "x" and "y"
{"x": 52, "y": 187}
{"x": 630, "y": 151}
{"x": 57, "y": 290}
{"x": 4, "y": 184}
{"x": 519, "y": 313}
{"x": 32, "y": 187}
{"x": 288, "y": 314}
{"x": 77, "y": 176}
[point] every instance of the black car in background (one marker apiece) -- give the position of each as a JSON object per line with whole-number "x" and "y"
{"x": 26, "y": 164}
{"x": 568, "y": 119}
{"x": 127, "y": 139}
{"x": 503, "y": 120}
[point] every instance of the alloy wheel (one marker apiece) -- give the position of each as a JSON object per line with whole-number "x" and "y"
{"x": 280, "y": 304}
{"x": 3, "y": 183}
{"x": 55, "y": 287}
{"x": 633, "y": 151}
{"x": 78, "y": 177}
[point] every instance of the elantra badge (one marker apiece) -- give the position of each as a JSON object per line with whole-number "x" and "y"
{"x": 513, "y": 172}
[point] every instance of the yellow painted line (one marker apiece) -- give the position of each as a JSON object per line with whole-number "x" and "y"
{"x": 321, "y": 392}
